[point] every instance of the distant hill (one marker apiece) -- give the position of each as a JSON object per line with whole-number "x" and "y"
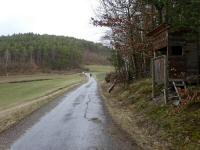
{"x": 30, "y": 52}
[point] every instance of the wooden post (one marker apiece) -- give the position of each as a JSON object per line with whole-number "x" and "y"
{"x": 153, "y": 77}
{"x": 6, "y": 61}
{"x": 165, "y": 79}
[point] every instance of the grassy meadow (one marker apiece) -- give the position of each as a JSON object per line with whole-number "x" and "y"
{"x": 100, "y": 71}
{"x": 18, "y": 89}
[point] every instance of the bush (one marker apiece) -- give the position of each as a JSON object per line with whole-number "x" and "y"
{"x": 110, "y": 77}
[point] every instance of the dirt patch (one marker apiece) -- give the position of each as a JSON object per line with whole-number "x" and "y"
{"x": 193, "y": 107}
{"x": 22, "y": 81}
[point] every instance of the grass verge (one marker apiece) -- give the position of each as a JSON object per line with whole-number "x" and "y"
{"x": 153, "y": 126}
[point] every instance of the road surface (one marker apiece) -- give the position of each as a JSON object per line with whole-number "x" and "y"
{"x": 78, "y": 122}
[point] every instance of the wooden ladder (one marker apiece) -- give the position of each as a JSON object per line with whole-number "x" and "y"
{"x": 178, "y": 84}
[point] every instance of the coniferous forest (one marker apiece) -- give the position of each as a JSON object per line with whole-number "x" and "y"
{"x": 31, "y": 52}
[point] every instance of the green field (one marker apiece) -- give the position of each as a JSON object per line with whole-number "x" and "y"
{"x": 30, "y": 87}
{"x": 100, "y": 71}
{"x": 22, "y": 88}
{"x": 100, "y": 68}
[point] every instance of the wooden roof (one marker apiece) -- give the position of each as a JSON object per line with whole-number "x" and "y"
{"x": 159, "y": 37}
{"x": 161, "y": 28}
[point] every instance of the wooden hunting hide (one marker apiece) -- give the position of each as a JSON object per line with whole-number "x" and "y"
{"x": 182, "y": 53}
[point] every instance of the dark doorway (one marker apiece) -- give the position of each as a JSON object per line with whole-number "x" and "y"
{"x": 176, "y": 51}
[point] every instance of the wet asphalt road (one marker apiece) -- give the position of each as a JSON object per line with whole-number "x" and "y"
{"x": 78, "y": 122}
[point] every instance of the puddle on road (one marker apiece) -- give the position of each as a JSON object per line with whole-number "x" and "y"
{"x": 96, "y": 120}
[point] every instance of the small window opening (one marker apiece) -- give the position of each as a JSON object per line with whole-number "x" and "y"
{"x": 162, "y": 51}
{"x": 177, "y": 51}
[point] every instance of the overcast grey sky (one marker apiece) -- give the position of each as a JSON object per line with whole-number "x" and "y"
{"x": 58, "y": 17}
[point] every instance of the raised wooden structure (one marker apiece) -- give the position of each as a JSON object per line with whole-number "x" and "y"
{"x": 182, "y": 53}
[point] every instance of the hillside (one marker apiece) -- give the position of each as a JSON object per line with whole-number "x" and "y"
{"x": 31, "y": 52}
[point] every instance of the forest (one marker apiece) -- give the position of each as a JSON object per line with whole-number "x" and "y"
{"x": 31, "y": 52}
